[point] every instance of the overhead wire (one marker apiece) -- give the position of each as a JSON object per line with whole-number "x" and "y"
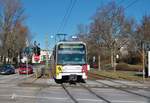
{"x": 120, "y": 2}
{"x": 66, "y": 16}
{"x": 69, "y": 11}
{"x": 131, "y": 4}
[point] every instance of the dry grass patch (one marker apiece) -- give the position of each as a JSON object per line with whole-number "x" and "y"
{"x": 127, "y": 75}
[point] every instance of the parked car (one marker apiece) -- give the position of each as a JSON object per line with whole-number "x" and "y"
{"x": 7, "y": 69}
{"x": 23, "y": 69}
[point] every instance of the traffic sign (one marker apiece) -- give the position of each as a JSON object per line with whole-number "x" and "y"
{"x": 36, "y": 57}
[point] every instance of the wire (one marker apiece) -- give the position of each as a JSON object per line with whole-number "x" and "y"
{"x": 131, "y": 4}
{"x": 120, "y": 2}
{"x": 66, "y": 16}
{"x": 66, "y": 13}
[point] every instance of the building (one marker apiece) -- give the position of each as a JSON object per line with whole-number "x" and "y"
{"x": 42, "y": 58}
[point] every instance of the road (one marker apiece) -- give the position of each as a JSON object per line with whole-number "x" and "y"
{"x": 22, "y": 89}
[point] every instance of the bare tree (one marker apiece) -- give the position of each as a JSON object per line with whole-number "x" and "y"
{"x": 139, "y": 34}
{"x": 108, "y": 32}
{"x": 83, "y": 32}
{"x": 143, "y": 31}
{"x": 13, "y": 33}
{"x": 107, "y": 26}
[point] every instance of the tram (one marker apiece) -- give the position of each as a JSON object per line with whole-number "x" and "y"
{"x": 69, "y": 61}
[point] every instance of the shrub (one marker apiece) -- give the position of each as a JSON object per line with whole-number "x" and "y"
{"x": 122, "y": 66}
{"x": 127, "y": 67}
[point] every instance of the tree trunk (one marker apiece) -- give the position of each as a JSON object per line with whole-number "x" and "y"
{"x": 115, "y": 62}
{"x": 112, "y": 58}
{"x": 4, "y": 60}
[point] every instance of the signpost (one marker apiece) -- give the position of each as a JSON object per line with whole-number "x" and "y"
{"x": 146, "y": 47}
{"x": 27, "y": 65}
{"x": 27, "y": 52}
{"x": 148, "y": 63}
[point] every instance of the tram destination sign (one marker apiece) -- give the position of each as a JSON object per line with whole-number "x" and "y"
{"x": 71, "y": 46}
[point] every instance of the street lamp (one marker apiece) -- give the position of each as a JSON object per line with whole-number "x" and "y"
{"x": 115, "y": 56}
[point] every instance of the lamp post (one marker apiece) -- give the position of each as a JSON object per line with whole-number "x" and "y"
{"x": 115, "y": 56}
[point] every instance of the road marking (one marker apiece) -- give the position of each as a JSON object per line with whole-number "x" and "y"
{"x": 7, "y": 76}
{"x": 50, "y": 98}
{"x": 33, "y": 97}
{"x": 120, "y": 101}
{"x": 91, "y": 100}
{"x": 12, "y": 78}
{"x": 19, "y": 88}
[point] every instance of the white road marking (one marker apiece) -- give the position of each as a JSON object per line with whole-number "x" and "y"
{"x": 91, "y": 100}
{"x": 13, "y": 78}
{"x": 50, "y": 98}
{"x": 120, "y": 101}
{"x": 7, "y": 76}
{"x": 13, "y": 86}
{"x": 33, "y": 97}
{"x": 59, "y": 98}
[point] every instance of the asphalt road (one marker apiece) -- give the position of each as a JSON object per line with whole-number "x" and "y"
{"x": 22, "y": 89}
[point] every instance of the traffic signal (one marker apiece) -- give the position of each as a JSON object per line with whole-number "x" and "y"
{"x": 38, "y": 51}
{"x": 34, "y": 50}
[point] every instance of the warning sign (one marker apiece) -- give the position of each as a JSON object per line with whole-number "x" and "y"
{"x": 58, "y": 69}
{"x": 149, "y": 63}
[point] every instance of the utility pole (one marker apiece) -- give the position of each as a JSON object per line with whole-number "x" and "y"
{"x": 114, "y": 56}
{"x": 55, "y": 38}
{"x": 99, "y": 62}
{"x": 143, "y": 60}
{"x": 27, "y": 67}
{"x": 46, "y": 46}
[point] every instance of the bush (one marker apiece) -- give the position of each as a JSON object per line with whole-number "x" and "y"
{"x": 107, "y": 67}
{"x": 127, "y": 67}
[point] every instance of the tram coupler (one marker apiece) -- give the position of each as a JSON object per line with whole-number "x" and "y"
{"x": 73, "y": 78}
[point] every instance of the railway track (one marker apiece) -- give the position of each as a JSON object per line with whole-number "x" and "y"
{"x": 98, "y": 96}
{"x": 96, "y": 76}
{"x": 81, "y": 85}
{"x": 128, "y": 91}
{"x": 69, "y": 94}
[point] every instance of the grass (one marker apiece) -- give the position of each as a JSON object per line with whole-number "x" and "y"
{"x": 127, "y": 75}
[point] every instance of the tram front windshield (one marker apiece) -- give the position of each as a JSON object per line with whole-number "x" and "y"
{"x": 71, "y": 55}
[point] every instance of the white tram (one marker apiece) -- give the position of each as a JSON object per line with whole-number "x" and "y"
{"x": 69, "y": 61}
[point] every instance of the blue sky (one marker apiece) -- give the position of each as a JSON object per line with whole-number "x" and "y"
{"x": 44, "y": 16}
